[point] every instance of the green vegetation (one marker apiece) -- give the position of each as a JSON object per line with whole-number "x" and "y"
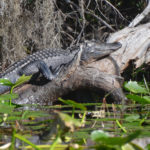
{"x": 139, "y": 93}
{"x": 74, "y": 128}
{"x": 6, "y": 82}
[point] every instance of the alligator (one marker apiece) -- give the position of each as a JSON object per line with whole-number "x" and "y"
{"x": 49, "y": 62}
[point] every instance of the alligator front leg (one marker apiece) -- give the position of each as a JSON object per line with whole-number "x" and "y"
{"x": 41, "y": 67}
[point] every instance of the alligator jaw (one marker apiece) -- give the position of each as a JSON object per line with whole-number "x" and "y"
{"x": 108, "y": 46}
{"x": 105, "y": 49}
{"x": 94, "y": 51}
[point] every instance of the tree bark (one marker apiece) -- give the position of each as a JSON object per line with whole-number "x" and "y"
{"x": 83, "y": 76}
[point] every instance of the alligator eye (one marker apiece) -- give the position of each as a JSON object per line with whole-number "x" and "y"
{"x": 90, "y": 44}
{"x": 91, "y": 50}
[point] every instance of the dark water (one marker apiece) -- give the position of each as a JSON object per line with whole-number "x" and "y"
{"x": 39, "y": 124}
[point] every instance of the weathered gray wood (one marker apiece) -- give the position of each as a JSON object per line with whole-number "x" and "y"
{"x": 83, "y": 76}
{"x": 103, "y": 74}
{"x": 140, "y": 17}
{"x": 135, "y": 46}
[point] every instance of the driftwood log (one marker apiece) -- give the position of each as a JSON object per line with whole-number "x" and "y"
{"x": 103, "y": 74}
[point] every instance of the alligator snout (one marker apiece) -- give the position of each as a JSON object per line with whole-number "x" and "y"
{"x": 114, "y": 46}
{"x": 108, "y": 46}
{"x": 95, "y": 50}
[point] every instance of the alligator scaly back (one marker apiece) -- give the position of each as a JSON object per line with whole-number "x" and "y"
{"x": 42, "y": 61}
{"x": 49, "y": 62}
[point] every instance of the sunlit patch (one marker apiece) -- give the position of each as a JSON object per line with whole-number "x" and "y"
{"x": 6, "y": 78}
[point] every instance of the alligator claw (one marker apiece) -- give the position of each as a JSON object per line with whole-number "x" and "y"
{"x": 35, "y": 67}
{"x": 56, "y": 71}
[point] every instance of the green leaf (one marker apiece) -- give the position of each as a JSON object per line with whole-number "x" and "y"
{"x": 136, "y": 147}
{"x": 6, "y": 82}
{"x": 101, "y": 137}
{"x": 127, "y": 147}
{"x": 22, "y": 138}
{"x": 130, "y": 146}
{"x": 35, "y": 114}
{"x": 8, "y": 96}
{"x": 147, "y": 99}
{"x": 68, "y": 121}
{"x": 99, "y": 134}
{"x": 132, "y": 118}
{"x": 139, "y": 99}
{"x": 134, "y": 87}
{"x": 74, "y": 104}
{"x": 57, "y": 147}
{"x": 22, "y": 80}
{"x": 121, "y": 126}
{"x": 6, "y": 109}
{"x": 148, "y": 146}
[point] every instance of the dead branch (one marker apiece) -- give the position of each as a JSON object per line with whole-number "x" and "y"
{"x": 84, "y": 76}
{"x": 135, "y": 46}
{"x": 115, "y": 9}
{"x": 101, "y": 20}
{"x": 141, "y": 16}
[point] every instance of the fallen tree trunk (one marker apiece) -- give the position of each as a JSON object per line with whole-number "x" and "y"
{"x": 82, "y": 77}
{"x": 103, "y": 74}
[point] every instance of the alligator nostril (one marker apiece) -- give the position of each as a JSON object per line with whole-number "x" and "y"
{"x": 117, "y": 45}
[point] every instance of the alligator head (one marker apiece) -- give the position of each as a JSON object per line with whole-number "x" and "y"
{"x": 92, "y": 50}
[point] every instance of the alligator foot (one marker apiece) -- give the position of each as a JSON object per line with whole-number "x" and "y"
{"x": 37, "y": 67}
{"x": 57, "y": 70}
